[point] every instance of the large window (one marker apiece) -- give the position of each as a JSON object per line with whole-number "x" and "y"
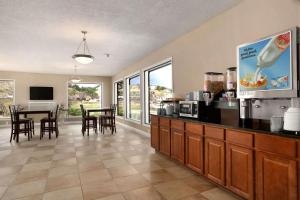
{"x": 158, "y": 87}
{"x": 88, "y": 94}
{"x": 119, "y": 97}
{"x": 7, "y": 92}
{"x": 133, "y": 98}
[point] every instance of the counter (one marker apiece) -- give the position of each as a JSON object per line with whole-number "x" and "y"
{"x": 255, "y": 164}
{"x": 283, "y": 133}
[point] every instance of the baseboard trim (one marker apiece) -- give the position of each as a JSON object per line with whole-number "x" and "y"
{"x": 143, "y": 133}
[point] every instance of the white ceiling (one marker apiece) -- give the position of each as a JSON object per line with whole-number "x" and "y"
{"x": 42, "y": 35}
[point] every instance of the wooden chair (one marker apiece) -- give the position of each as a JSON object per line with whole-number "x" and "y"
{"x": 108, "y": 120}
{"x": 52, "y": 123}
{"x": 31, "y": 120}
{"x": 24, "y": 125}
{"x": 87, "y": 122}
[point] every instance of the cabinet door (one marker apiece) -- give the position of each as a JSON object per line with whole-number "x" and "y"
{"x": 177, "y": 145}
{"x": 154, "y": 137}
{"x": 239, "y": 170}
{"x": 214, "y": 160}
{"x": 194, "y": 152}
{"x": 164, "y": 140}
{"x": 276, "y": 177}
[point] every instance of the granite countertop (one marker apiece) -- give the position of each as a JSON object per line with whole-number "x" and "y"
{"x": 288, "y": 134}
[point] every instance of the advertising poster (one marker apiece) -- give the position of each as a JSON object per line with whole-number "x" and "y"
{"x": 266, "y": 65}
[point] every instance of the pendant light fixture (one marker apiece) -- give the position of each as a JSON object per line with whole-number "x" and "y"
{"x": 83, "y": 57}
{"x": 75, "y": 78}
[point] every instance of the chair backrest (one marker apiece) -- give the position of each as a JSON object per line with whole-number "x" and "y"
{"x": 113, "y": 107}
{"x": 83, "y": 112}
{"x": 56, "y": 112}
{"x": 12, "y": 112}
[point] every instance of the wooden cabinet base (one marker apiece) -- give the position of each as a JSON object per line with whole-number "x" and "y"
{"x": 239, "y": 170}
{"x": 215, "y": 160}
{"x": 276, "y": 177}
{"x": 194, "y": 152}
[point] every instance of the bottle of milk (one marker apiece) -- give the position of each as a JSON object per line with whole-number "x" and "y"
{"x": 271, "y": 52}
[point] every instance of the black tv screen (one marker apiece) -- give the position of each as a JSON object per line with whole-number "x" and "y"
{"x": 41, "y": 93}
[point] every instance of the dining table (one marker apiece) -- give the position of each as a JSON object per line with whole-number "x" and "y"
{"x": 92, "y": 110}
{"x": 29, "y": 112}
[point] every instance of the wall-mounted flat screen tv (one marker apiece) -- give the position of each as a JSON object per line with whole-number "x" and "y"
{"x": 41, "y": 93}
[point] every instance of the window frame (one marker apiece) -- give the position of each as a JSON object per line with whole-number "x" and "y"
{"x": 101, "y": 97}
{"x": 127, "y": 78}
{"x": 14, "y": 82}
{"x": 146, "y": 94}
{"x": 115, "y": 96}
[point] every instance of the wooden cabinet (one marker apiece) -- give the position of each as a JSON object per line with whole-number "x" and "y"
{"x": 194, "y": 151}
{"x": 276, "y": 177}
{"x": 215, "y": 154}
{"x": 154, "y": 132}
{"x": 252, "y": 165}
{"x": 239, "y": 170}
{"x": 164, "y": 136}
{"x": 177, "y": 140}
{"x": 276, "y": 171}
{"x": 155, "y": 137}
{"x": 239, "y": 163}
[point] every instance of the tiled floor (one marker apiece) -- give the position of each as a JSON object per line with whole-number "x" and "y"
{"x": 107, "y": 167}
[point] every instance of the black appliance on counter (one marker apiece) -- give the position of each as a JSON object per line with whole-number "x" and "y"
{"x": 200, "y": 111}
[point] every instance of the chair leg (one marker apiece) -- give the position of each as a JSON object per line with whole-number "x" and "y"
{"x": 33, "y": 127}
{"x": 50, "y": 129}
{"x": 41, "y": 130}
{"x": 56, "y": 129}
{"x": 88, "y": 127}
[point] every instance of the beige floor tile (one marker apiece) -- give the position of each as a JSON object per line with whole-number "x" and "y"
{"x": 217, "y": 194}
{"x": 32, "y": 160}
{"x": 198, "y": 183}
{"x": 88, "y": 166}
{"x": 36, "y": 166}
{"x": 61, "y": 182}
{"x": 137, "y": 159}
{"x": 195, "y": 197}
{"x": 7, "y": 180}
{"x": 42, "y": 153}
{"x": 165, "y": 163}
{"x": 113, "y": 197}
{"x": 4, "y": 171}
{"x": 64, "y": 162}
{"x": 158, "y": 176}
{"x": 2, "y": 190}
{"x": 175, "y": 190}
{"x": 146, "y": 193}
{"x": 74, "y": 193}
{"x": 59, "y": 171}
{"x": 131, "y": 182}
{"x": 94, "y": 190}
{"x": 34, "y": 197}
{"x": 88, "y": 159}
{"x": 114, "y": 162}
{"x": 118, "y": 167}
{"x": 29, "y": 176}
{"x": 146, "y": 167}
{"x": 95, "y": 175}
{"x": 125, "y": 170}
{"x": 63, "y": 156}
{"x": 25, "y": 189}
{"x": 109, "y": 156}
{"x": 180, "y": 172}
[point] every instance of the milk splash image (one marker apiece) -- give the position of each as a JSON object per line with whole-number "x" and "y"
{"x": 270, "y": 53}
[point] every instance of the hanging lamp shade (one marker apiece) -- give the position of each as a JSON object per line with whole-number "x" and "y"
{"x": 75, "y": 78}
{"x": 82, "y": 54}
